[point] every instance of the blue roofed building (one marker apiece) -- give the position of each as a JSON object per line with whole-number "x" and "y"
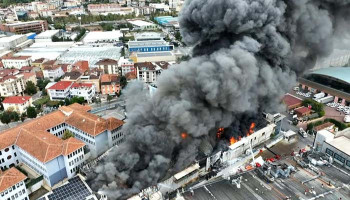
{"x": 334, "y": 81}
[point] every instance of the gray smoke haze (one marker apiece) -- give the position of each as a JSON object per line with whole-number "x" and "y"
{"x": 247, "y": 54}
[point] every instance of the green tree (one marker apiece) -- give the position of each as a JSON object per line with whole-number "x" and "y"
{"x": 31, "y": 112}
{"x": 79, "y": 100}
{"x": 14, "y": 116}
{"x": 178, "y": 36}
{"x": 42, "y": 83}
{"x": 67, "y": 134}
{"x": 23, "y": 116}
{"x": 30, "y": 88}
{"x": 123, "y": 81}
{"x": 5, "y": 118}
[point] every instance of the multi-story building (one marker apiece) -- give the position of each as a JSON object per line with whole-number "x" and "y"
{"x": 126, "y": 66}
{"x": 148, "y": 72}
{"x": 17, "y": 103}
{"x": 12, "y": 186}
{"x": 16, "y": 61}
{"x": 109, "y": 66}
{"x": 96, "y": 9}
{"x": 38, "y": 143}
{"x": 29, "y": 76}
{"x": 25, "y": 27}
{"x": 60, "y": 90}
{"x": 93, "y": 77}
{"x": 53, "y": 72}
{"x": 86, "y": 90}
{"x": 149, "y": 46}
{"x": 15, "y": 41}
{"x": 39, "y": 63}
{"x": 110, "y": 84}
{"x": 12, "y": 85}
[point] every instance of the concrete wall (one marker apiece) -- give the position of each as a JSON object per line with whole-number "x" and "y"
{"x": 56, "y": 170}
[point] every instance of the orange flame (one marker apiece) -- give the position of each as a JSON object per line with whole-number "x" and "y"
{"x": 251, "y": 129}
{"x": 232, "y": 140}
{"x": 219, "y": 132}
{"x": 184, "y": 135}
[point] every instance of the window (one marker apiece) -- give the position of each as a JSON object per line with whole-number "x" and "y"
{"x": 13, "y": 146}
{"x": 15, "y": 154}
{"x": 329, "y": 152}
{"x": 348, "y": 163}
{"x": 9, "y": 157}
{"x": 339, "y": 158}
{"x": 7, "y": 149}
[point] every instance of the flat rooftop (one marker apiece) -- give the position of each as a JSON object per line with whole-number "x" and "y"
{"x": 107, "y": 35}
{"x": 140, "y": 23}
{"x": 342, "y": 143}
{"x": 151, "y": 54}
{"x": 149, "y": 43}
{"x": 47, "y": 34}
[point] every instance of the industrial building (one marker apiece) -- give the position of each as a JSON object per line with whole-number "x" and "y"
{"x": 15, "y": 41}
{"x": 146, "y": 36}
{"x": 334, "y": 81}
{"x": 336, "y": 145}
{"x": 47, "y": 50}
{"x": 98, "y": 38}
{"x": 166, "y": 56}
{"x": 142, "y": 25}
{"x": 149, "y": 46}
{"x": 47, "y": 36}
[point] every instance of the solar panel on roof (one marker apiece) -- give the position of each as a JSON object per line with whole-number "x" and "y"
{"x": 73, "y": 190}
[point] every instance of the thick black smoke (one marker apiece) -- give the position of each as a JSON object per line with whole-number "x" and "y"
{"x": 247, "y": 54}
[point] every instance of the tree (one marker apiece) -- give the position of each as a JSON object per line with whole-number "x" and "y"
{"x": 5, "y": 118}
{"x": 42, "y": 83}
{"x": 178, "y": 36}
{"x": 31, "y": 112}
{"x": 67, "y": 134}
{"x": 23, "y": 116}
{"x": 123, "y": 81}
{"x": 30, "y": 88}
{"x": 79, "y": 100}
{"x": 109, "y": 98}
{"x": 14, "y": 116}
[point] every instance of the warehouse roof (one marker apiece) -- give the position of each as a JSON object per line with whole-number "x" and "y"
{"x": 47, "y": 34}
{"x": 340, "y": 73}
{"x": 342, "y": 144}
{"x": 106, "y": 35}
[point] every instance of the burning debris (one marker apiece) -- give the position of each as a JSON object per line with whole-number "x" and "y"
{"x": 247, "y": 54}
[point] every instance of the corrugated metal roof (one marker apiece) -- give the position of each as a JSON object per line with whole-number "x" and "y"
{"x": 341, "y": 73}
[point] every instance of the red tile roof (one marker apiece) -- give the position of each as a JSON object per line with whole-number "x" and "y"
{"x": 302, "y": 110}
{"x": 28, "y": 74}
{"x": 81, "y": 66}
{"x": 61, "y": 85}
{"x": 16, "y": 57}
{"x": 70, "y": 145}
{"x": 290, "y": 100}
{"x": 107, "y": 62}
{"x": 77, "y": 85}
{"x": 16, "y": 99}
{"x": 10, "y": 177}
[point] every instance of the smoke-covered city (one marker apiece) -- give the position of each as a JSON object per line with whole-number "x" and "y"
{"x": 175, "y": 100}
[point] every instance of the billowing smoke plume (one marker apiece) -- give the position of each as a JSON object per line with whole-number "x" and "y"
{"x": 247, "y": 54}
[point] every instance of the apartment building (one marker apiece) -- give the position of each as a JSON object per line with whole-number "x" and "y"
{"x": 12, "y": 186}
{"x": 16, "y": 61}
{"x": 53, "y": 72}
{"x": 96, "y": 9}
{"x": 109, "y": 66}
{"x": 126, "y": 66}
{"x": 38, "y": 143}
{"x": 110, "y": 84}
{"x": 86, "y": 90}
{"x": 17, "y": 103}
{"x": 12, "y": 85}
{"x": 60, "y": 90}
{"x": 148, "y": 72}
{"x": 25, "y": 27}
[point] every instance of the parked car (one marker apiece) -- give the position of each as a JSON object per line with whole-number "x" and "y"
{"x": 302, "y": 133}
{"x": 347, "y": 118}
{"x": 296, "y": 88}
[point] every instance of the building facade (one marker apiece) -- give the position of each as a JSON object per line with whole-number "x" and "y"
{"x": 86, "y": 90}
{"x": 25, "y": 27}
{"x": 110, "y": 84}
{"x": 12, "y": 85}
{"x": 126, "y": 66}
{"x": 109, "y": 66}
{"x": 148, "y": 72}
{"x": 17, "y": 103}
{"x": 60, "y": 90}
{"x": 53, "y": 72}
{"x": 12, "y": 186}
{"x": 16, "y": 61}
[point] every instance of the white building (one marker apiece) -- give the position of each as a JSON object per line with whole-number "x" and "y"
{"x": 148, "y": 72}
{"x": 38, "y": 144}
{"x": 143, "y": 25}
{"x": 60, "y": 90}
{"x": 98, "y": 38}
{"x": 12, "y": 185}
{"x": 16, "y": 61}
{"x": 161, "y": 7}
{"x": 12, "y": 85}
{"x": 15, "y": 41}
{"x": 109, "y": 66}
{"x": 53, "y": 72}
{"x": 126, "y": 65}
{"x": 17, "y": 103}
{"x": 46, "y": 36}
{"x": 86, "y": 90}
{"x": 147, "y": 36}
{"x": 335, "y": 145}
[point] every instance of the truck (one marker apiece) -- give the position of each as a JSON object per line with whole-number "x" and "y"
{"x": 319, "y": 95}
{"x": 326, "y": 99}
{"x": 302, "y": 133}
